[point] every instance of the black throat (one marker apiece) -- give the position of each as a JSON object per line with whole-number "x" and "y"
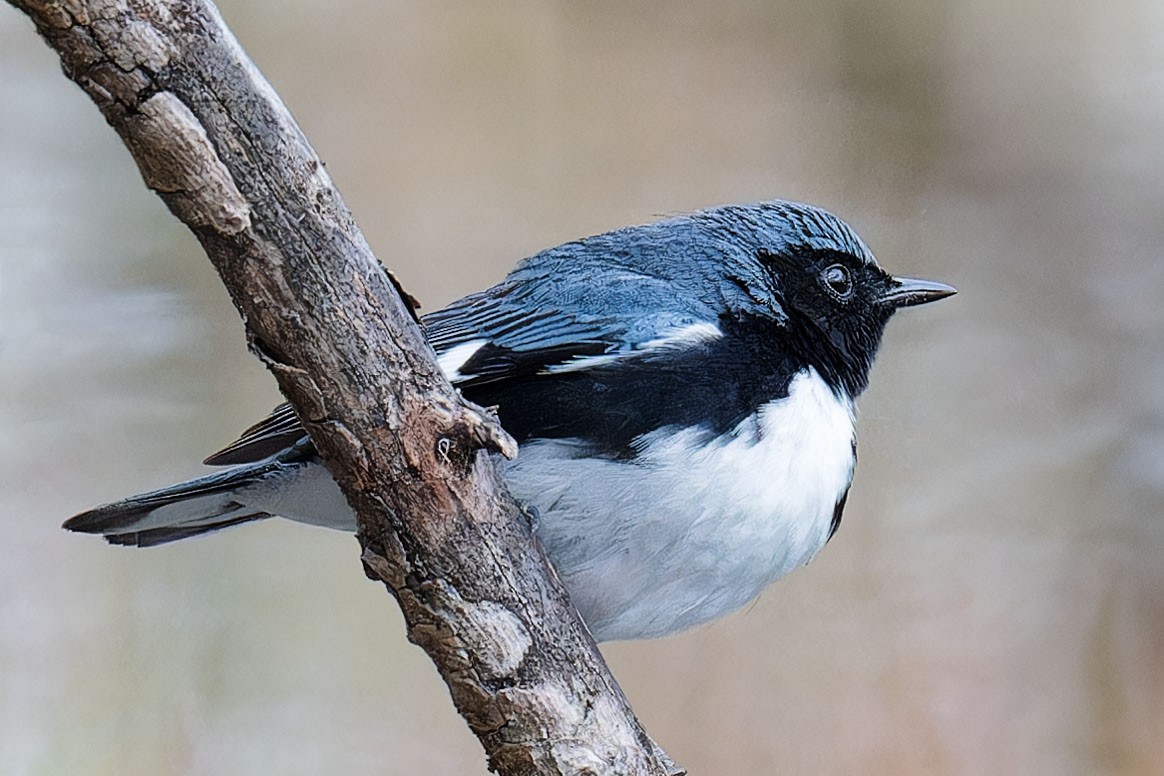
{"x": 843, "y": 363}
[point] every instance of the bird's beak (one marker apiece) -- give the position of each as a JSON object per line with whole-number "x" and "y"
{"x": 907, "y": 292}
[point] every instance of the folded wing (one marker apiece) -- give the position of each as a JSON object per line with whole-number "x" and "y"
{"x": 540, "y": 321}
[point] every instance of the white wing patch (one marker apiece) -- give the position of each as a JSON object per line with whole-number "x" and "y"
{"x": 684, "y": 336}
{"x": 672, "y": 339}
{"x": 582, "y": 363}
{"x": 456, "y": 357}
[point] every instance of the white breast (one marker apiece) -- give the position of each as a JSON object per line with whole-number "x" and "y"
{"x": 692, "y": 528}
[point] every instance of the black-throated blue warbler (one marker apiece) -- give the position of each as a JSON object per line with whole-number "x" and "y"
{"x": 682, "y": 393}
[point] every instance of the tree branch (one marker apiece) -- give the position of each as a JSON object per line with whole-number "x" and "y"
{"x": 435, "y": 522}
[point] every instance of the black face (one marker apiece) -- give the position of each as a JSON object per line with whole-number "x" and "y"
{"x": 838, "y": 305}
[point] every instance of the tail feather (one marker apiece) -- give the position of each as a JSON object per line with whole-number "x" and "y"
{"x": 152, "y": 537}
{"x": 176, "y": 512}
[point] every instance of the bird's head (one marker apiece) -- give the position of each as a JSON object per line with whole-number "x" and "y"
{"x": 809, "y": 273}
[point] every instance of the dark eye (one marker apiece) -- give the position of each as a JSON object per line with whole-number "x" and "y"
{"x": 838, "y": 280}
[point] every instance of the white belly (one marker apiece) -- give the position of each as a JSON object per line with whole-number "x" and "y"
{"x": 692, "y": 528}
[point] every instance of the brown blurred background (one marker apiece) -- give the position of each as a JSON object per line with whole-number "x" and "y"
{"x": 994, "y": 602}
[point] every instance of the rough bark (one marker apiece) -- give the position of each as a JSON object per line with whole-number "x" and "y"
{"x": 435, "y": 522}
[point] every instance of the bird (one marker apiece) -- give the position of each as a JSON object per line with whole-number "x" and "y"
{"x": 682, "y": 393}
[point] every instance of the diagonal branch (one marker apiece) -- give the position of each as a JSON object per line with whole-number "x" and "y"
{"x": 435, "y": 522}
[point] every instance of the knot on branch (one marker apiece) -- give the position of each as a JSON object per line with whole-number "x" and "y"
{"x": 117, "y": 56}
{"x": 482, "y": 637}
{"x": 479, "y": 428}
{"x": 177, "y": 160}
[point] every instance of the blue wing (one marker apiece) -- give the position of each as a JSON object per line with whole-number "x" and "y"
{"x": 550, "y": 314}
{"x": 545, "y": 318}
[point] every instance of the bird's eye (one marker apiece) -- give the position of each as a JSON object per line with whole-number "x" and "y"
{"x": 837, "y": 279}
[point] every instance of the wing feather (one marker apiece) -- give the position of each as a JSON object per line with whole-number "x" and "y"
{"x": 544, "y": 318}
{"x": 271, "y": 435}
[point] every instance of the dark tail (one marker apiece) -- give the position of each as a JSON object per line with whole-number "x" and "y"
{"x": 180, "y": 511}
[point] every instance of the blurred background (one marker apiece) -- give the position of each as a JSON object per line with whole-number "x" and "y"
{"x": 994, "y": 602}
